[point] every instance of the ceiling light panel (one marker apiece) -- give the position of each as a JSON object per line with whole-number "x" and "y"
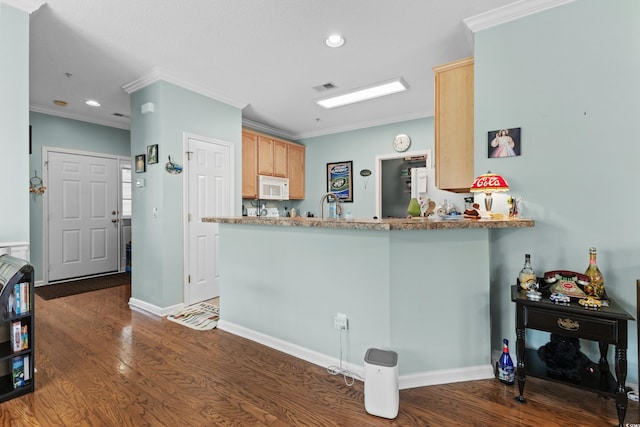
{"x": 368, "y": 92}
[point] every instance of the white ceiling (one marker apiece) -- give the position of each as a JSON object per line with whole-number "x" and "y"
{"x": 264, "y": 56}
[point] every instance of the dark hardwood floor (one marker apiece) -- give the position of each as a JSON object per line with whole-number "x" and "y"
{"x": 101, "y": 364}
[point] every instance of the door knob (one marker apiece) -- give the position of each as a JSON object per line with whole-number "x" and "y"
{"x": 114, "y": 220}
{"x": 113, "y": 212}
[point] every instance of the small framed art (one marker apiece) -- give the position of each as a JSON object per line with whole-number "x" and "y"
{"x": 152, "y": 154}
{"x": 140, "y": 163}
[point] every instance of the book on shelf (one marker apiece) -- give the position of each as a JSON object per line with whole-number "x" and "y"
{"x": 19, "y": 303}
{"x": 24, "y": 298}
{"x": 17, "y": 371}
{"x": 16, "y": 336}
{"x": 24, "y": 337}
{"x": 27, "y": 363}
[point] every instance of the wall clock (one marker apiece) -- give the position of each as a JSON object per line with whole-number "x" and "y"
{"x": 401, "y": 143}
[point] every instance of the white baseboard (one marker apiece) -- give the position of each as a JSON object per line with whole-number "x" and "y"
{"x": 153, "y": 309}
{"x": 420, "y": 379}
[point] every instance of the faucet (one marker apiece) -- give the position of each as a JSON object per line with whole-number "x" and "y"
{"x": 338, "y": 206}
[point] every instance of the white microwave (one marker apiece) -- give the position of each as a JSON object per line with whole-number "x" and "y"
{"x": 273, "y": 188}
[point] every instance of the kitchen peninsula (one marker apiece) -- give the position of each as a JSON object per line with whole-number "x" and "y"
{"x": 417, "y": 286}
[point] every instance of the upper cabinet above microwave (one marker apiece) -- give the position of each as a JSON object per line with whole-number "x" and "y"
{"x": 266, "y": 155}
{"x": 454, "y": 142}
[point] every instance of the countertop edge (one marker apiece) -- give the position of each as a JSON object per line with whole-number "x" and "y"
{"x": 375, "y": 224}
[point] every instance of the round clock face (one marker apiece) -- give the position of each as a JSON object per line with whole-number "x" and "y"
{"x": 401, "y": 142}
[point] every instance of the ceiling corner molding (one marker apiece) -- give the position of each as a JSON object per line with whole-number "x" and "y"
{"x": 510, "y": 12}
{"x": 67, "y": 115}
{"x": 157, "y": 74}
{"x": 260, "y": 127}
{"x": 28, "y": 6}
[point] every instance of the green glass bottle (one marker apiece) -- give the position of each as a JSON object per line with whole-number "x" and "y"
{"x": 595, "y": 288}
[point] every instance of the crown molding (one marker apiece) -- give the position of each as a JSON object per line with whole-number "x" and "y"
{"x": 28, "y": 6}
{"x": 510, "y": 12}
{"x": 157, "y": 74}
{"x": 261, "y": 127}
{"x": 73, "y": 116}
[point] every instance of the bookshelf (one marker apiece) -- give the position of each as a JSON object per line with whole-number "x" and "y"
{"x": 16, "y": 328}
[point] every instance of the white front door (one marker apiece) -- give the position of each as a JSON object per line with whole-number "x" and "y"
{"x": 209, "y": 193}
{"x": 82, "y": 215}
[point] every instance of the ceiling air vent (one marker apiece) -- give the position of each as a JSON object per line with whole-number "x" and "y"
{"x": 120, "y": 115}
{"x": 324, "y": 87}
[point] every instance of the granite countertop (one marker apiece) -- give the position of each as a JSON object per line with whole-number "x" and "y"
{"x": 375, "y": 224}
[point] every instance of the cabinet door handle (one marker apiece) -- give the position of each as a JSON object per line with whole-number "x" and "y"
{"x": 568, "y": 324}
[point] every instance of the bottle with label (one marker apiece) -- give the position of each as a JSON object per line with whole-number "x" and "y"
{"x": 595, "y": 288}
{"x": 506, "y": 370}
{"x": 527, "y": 277}
{"x": 332, "y": 209}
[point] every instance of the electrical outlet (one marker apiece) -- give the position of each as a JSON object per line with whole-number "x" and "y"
{"x": 340, "y": 321}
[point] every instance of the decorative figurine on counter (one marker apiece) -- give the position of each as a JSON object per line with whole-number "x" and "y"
{"x": 427, "y": 206}
{"x": 513, "y": 207}
{"x": 473, "y": 212}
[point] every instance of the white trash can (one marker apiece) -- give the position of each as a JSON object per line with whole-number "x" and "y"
{"x": 381, "y": 390}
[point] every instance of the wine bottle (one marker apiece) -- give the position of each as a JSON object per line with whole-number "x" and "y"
{"x": 506, "y": 370}
{"x": 595, "y": 287}
{"x": 527, "y": 276}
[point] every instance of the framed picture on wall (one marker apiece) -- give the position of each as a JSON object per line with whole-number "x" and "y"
{"x": 152, "y": 154}
{"x": 340, "y": 180}
{"x": 503, "y": 143}
{"x": 140, "y": 163}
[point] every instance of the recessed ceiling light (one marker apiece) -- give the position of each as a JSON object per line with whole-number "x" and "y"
{"x": 334, "y": 40}
{"x": 92, "y": 102}
{"x": 368, "y": 92}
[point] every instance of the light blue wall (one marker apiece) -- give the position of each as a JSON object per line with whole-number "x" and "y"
{"x": 157, "y": 243}
{"x": 362, "y": 146}
{"x": 402, "y": 290}
{"x": 569, "y": 78}
{"x": 51, "y": 131}
{"x": 14, "y": 123}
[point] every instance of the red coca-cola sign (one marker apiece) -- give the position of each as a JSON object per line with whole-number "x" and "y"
{"x": 490, "y": 181}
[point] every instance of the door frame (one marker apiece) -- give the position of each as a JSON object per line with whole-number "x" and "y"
{"x": 45, "y": 203}
{"x": 185, "y": 191}
{"x": 378, "y": 171}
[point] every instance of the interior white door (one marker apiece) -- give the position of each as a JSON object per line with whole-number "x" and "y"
{"x": 210, "y": 190}
{"x": 82, "y": 215}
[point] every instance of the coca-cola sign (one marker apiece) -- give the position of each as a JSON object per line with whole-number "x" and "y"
{"x": 490, "y": 181}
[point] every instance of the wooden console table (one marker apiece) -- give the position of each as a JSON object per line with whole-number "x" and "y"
{"x": 607, "y": 325}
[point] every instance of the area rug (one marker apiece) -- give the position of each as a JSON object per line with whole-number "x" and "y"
{"x": 201, "y": 316}
{"x": 75, "y": 287}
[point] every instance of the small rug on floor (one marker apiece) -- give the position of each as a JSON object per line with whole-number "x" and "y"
{"x": 65, "y": 289}
{"x": 201, "y": 316}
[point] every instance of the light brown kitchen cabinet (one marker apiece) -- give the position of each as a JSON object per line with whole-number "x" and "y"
{"x": 296, "y": 171}
{"x": 272, "y": 157}
{"x": 249, "y": 165}
{"x": 280, "y": 158}
{"x": 454, "y": 141}
{"x": 265, "y": 155}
